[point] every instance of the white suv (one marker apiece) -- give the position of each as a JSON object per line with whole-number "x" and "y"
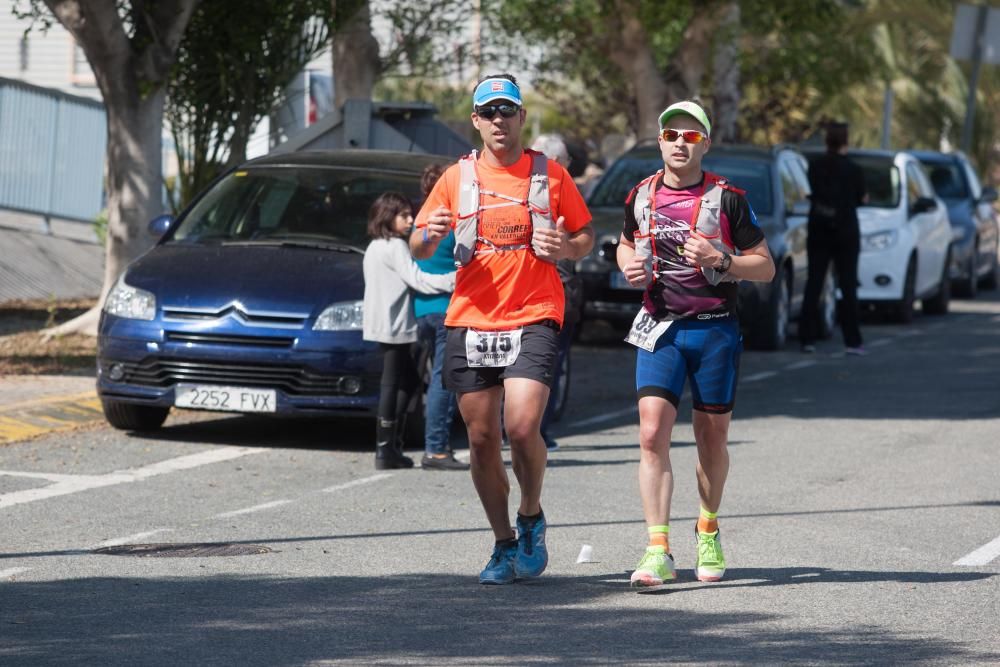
{"x": 905, "y": 237}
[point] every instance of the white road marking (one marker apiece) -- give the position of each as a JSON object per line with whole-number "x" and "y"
{"x": 250, "y": 510}
{"x": 77, "y": 483}
{"x": 608, "y": 416}
{"x": 10, "y": 572}
{"x": 798, "y": 365}
{"x": 357, "y": 482}
{"x": 982, "y": 555}
{"x": 879, "y": 343}
{"x": 118, "y": 541}
{"x": 759, "y": 376}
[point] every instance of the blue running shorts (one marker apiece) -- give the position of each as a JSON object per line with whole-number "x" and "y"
{"x": 706, "y": 351}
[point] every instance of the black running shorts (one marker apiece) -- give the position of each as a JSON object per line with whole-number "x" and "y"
{"x": 536, "y": 361}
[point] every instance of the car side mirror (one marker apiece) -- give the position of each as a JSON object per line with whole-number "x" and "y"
{"x": 923, "y": 205}
{"x": 989, "y": 195}
{"x": 800, "y": 207}
{"x": 160, "y": 225}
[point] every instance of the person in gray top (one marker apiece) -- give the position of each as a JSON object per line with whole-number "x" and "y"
{"x": 390, "y": 273}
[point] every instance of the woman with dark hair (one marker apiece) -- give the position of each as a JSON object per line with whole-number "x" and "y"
{"x": 838, "y": 188}
{"x": 390, "y": 273}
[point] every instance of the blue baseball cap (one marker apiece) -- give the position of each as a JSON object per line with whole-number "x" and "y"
{"x": 496, "y": 89}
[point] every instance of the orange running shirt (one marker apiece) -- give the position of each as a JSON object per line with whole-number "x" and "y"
{"x": 511, "y": 288}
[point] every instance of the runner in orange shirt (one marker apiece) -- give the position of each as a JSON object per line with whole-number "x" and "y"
{"x": 515, "y": 214}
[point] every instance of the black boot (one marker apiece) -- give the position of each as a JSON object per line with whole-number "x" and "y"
{"x": 387, "y": 453}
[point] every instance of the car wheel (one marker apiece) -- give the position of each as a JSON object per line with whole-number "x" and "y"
{"x": 938, "y": 304}
{"x": 989, "y": 281}
{"x": 562, "y": 388}
{"x": 902, "y": 311}
{"x": 132, "y": 417}
{"x": 827, "y": 306}
{"x": 772, "y": 327}
{"x": 967, "y": 285}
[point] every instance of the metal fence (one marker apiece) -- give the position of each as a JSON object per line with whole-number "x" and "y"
{"x": 52, "y": 148}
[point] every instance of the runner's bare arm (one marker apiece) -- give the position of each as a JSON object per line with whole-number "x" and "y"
{"x": 752, "y": 264}
{"x": 556, "y": 244}
{"x": 424, "y": 239}
{"x": 634, "y": 268}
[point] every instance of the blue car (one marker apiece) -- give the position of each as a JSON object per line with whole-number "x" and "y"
{"x": 974, "y": 225}
{"x": 251, "y": 301}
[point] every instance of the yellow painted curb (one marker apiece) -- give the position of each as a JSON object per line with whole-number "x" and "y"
{"x": 30, "y": 419}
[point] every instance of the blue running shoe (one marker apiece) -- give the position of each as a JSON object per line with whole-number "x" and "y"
{"x": 500, "y": 569}
{"x": 532, "y": 556}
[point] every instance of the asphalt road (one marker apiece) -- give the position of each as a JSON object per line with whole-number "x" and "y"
{"x": 861, "y": 525}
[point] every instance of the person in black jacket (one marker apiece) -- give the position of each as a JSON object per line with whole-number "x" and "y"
{"x": 838, "y": 188}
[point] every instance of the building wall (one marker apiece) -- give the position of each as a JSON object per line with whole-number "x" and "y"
{"x": 50, "y": 58}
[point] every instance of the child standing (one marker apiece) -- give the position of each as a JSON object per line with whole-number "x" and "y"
{"x": 390, "y": 273}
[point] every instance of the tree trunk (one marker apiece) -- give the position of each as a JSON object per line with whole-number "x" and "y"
{"x": 356, "y": 62}
{"x": 134, "y": 185}
{"x": 632, "y": 52}
{"x": 131, "y": 78}
{"x": 726, "y": 75}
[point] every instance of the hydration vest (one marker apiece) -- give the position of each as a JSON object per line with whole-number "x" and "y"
{"x": 705, "y": 219}
{"x": 468, "y": 242}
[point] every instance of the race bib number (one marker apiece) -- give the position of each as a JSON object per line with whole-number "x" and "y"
{"x": 646, "y": 330}
{"x": 492, "y": 349}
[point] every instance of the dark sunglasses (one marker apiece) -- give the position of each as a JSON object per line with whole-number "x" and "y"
{"x": 690, "y": 136}
{"x": 488, "y": 111}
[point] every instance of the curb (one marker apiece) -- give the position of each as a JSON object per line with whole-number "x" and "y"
{"x": 29, "y": 419}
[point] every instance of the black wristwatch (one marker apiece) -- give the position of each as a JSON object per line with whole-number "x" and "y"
{"x": 727, "y": 261}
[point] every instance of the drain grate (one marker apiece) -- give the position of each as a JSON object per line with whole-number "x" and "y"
{"x": 196, "y": 550}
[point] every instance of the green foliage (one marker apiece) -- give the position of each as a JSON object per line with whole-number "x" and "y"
{"x": 793, "y": 67}
{"x": 566, "y": 45}
{"x": 232, "y": 68}
{"x": 424, "y": 37}
{"x": 100, "y": 226}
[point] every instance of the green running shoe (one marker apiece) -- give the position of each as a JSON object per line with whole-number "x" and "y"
{"x": 711, "y": 563}
{"x": 655, "y": 568}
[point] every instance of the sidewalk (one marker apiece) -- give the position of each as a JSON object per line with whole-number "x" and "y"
{"x": 62, "y": 260}
{"x": 31, "y": 405}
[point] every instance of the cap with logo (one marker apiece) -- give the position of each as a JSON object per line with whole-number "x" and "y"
{"x": 496, "y": 89}
{"x": 689, "y": 109}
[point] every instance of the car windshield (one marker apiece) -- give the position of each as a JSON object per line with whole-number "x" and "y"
{"x": 747, "y": 174}
{"x": 623, "y": 175}
{"x": 882, "y": 182}
{"x": 881, "y": 178}
{"x": 947, "y": 178}
{"x": 320, "y": 205}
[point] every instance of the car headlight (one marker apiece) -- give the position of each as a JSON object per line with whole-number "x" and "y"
{"x": 346, "y": 316}
{"x": 878, "y": 240}
{"x": 130, "y": 302}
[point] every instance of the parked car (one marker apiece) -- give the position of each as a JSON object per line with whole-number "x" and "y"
{"x": 778, "y": 190}
{"x": 973, "y": 220}
{"x": 905, "y": 236}
{"x": 252, "y": 299}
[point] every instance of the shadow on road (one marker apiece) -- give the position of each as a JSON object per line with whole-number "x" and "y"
{"x": 407, "y": 534}
{"x": 422, "y": 619}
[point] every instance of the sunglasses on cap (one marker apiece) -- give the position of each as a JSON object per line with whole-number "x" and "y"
{"x": 690, "y": 136}
{"x": 488, "y": 111}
